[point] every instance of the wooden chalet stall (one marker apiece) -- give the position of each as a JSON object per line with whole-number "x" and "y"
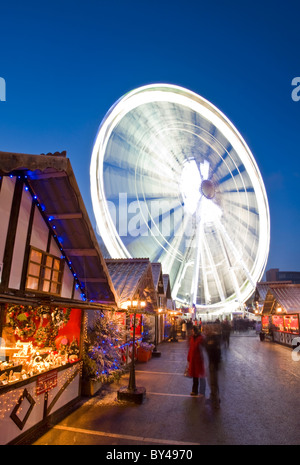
{"x": 280, "y": 311}
{"x": 133, "y": 281}
{"x": 52, "y": 271}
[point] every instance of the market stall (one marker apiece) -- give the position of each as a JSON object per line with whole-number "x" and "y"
{"x": 280, "y": 313}
{"x": 52, "y": 275}
{"x": 133, "y": 281}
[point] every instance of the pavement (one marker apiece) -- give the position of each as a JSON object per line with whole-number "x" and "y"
{"x": 169, "y": 415}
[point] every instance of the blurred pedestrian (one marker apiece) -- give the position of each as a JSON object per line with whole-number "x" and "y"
{"x": 173, "y": 335}
{"x": 226, "y": 328}
{"x": 183, "y": 329}
{"x": 195, "y": 358}
{"x": 200, "y": 325}
{"x": 258, "y": 327}
{"x": 213, "y": 348}
{"x": 189, "y": 327}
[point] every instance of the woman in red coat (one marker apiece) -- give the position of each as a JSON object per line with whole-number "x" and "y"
{"x": 196, "y": 362}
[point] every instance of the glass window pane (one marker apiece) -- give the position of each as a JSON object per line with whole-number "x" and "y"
{"x": 47, "y": 273}
{"x": 49, "y": 261}
{"x": 54, "y": 288}
{"x": 35, "y": 256}
{"x": 56, "y": 264}
{"x": 32, "y": 283}
{"x": 34, "y": 269}
{"x": 46, "y": 285}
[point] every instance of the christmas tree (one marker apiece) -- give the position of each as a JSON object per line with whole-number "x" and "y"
{"x": 102, "y": 356}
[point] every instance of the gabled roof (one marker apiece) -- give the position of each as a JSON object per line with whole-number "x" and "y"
{"x": 51, "y": 179}
{"x": 157, "y": 277}
{"x": 132, "y": 278}
{"x": 286, "y": 296}
{"x": 167, "y": 286}
{"x": 262, "y": 288}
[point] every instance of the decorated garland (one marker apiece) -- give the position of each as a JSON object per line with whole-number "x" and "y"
{"x": 42, "y": 335}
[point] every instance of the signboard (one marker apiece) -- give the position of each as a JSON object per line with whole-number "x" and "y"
{"x": 46, "y": 382}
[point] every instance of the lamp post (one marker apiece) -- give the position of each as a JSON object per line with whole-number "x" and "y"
{"x": 131, "y": 392}
{"x": 155, "y": 352}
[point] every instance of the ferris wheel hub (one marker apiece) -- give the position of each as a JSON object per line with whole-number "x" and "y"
{"x": 208, "y": 189}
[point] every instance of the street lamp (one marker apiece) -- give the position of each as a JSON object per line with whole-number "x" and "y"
{"x": 131, "y": 392}
{"x": 155, "y": 352}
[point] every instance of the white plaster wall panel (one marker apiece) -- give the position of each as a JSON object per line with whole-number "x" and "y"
{"x": 71, "y": 375}
{"x": 54, "y": 250}
{"x": 39, "y": 235}
{"x": 67, "y": 285}
{"x": 8, "y": 429}
{"x": 20, "y": 242}
{"x": 77, "y": 294}
{"x": 6, "y": 197}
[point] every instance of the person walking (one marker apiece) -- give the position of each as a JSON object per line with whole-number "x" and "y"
{"x": 213, "y": 349}
{"x": 183, "y": 329}
{"x": 195, "y": 359}
{"x": 226, "y": 328}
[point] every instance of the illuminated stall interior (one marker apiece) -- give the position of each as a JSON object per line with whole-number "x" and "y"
{"x": 280, "y": 309}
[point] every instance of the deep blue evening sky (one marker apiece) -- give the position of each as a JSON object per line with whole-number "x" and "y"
{"x": 66, "y": 62}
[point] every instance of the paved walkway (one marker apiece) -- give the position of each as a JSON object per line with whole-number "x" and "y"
{"x": 170, "y": 416}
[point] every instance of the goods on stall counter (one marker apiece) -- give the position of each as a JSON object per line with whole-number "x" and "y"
{"x": 10, "y": 377}
{"x": 28, "y": 361}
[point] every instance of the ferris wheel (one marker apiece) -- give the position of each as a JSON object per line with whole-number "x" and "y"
{"x": 173, "y": 180}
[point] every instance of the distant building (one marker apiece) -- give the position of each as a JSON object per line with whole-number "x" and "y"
{"x": 275, "y": 275}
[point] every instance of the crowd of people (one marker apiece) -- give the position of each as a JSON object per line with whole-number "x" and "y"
{"x": 204, "y": 343}
{"x": 204, "y": 351}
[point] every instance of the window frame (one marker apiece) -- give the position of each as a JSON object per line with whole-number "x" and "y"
{"x": 47, "y": 272}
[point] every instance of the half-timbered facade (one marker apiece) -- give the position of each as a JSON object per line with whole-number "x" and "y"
{"x": 51, "y": 272}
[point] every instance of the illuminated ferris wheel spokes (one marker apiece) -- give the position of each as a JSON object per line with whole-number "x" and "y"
{"x": 195, "y": 198}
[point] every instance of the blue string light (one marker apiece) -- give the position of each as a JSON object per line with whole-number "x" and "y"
{"x": 60, "y": 239}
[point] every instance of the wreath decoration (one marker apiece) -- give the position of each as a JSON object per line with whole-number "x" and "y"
{"x": 26, "y": 331}
{"x": 43, "y": 311}
{"x": 21, "y": 319}
{"x": 59, "y": 317}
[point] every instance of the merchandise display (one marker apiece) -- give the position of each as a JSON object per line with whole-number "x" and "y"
{"x": 37, "y": 339}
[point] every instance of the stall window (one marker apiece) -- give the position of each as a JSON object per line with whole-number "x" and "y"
{"x": 278, "y": 322}
{"x": 44, "y": 272}
{"x": 265, "y": 322}
{"x": 291, "y": 323}
{"x": 37, "y": 339}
